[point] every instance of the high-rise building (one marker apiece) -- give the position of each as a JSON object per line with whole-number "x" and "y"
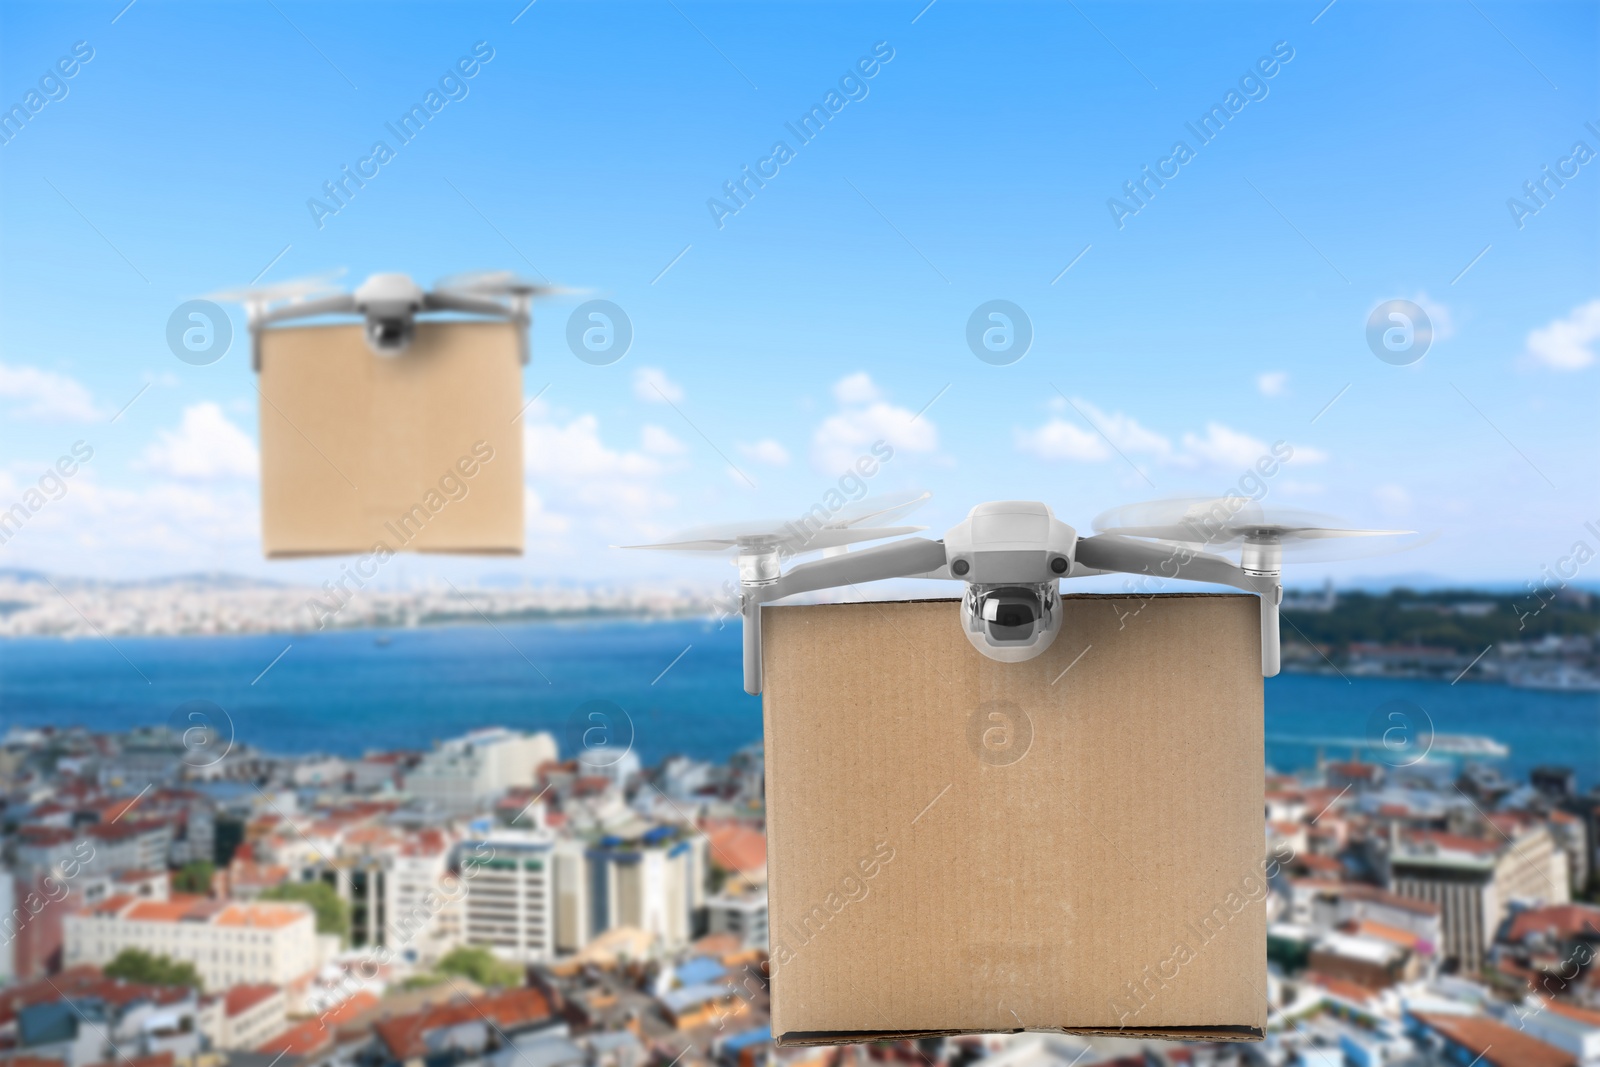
{"x": 654, "y": 882}
{"x": 525, "y": 895}
{"x": 1475, "y": 880}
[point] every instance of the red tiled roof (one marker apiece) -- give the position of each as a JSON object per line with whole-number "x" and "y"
{"x": 314, "y": 1035}
{"x": 242, "y": 998}
{"x": 1559, "y": 920}
{"x": 363, "y": 1000}
{"x": 1573, "y": 1012}
{"x": 302, "y": 1039}
{"x": 165, "y": 911}
{"x": 514, "y": 1008}
{"x": 1495, "y": 1044}
{"x": 738, "y": 848}
{"x": 113, "y": 904}
{"x": 1339, "y": 987}
{"x": 1403, "y": 938}
{"x": 1456, "y": 843}
{"x": 79, "y": 982}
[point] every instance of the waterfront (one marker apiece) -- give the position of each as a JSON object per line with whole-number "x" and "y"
{"x": 346, "y": 692}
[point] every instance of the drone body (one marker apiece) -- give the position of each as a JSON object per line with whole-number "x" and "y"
{"x": 1012, "y": 556}
{"x": 388, "y": 304}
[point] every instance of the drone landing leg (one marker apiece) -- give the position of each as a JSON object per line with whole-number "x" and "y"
{"x": 750, "y": 607}
{"x": 1271, "y": 592}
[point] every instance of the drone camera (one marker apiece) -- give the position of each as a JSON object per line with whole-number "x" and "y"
{"x": 1012, "y": 623}
{"x": 390, "y": 336}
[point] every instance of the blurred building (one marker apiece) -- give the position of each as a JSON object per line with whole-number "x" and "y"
{"x": 466, "y": 774}
{"x": 1475, "y": 880}
{"x": 228, "y": 943}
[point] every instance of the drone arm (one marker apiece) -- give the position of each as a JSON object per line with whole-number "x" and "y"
{"x": 898, "y": 559}
{"x": 341, "y": 303}
{"x": 471, "y": 304}
{"x": 1107, "y": 552}
{"x": 260, "y": 317}
{"x": 466, "y": 303}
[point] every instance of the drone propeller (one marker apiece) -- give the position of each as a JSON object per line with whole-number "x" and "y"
{"x": 1231, "y": 522}
{"x": 847, "y": 526}
{"x": 272, "y": 293}
{"x": 493, "y": 283}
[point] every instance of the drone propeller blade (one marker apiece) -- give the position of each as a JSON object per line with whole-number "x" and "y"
{"x": 1225, "y": 522}
{"x": 853, "y": 523}
{"x": 876, "y": 509}
{"x": 495, "y": 283}
{"x": 793, "y": 540}
{"x": 293, "y": 289}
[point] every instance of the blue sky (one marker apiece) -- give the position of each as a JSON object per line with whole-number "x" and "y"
{"x": 976, "y": 164}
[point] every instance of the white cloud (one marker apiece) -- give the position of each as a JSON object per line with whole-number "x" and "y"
{"x": 573, "y": 452}
{"x": 659, "y": 442}
{"x": 1059, "y": 439}
{"x": 1079, "y": 438}
{"x": 652, "y": 385}
{"x": 1224, "y": 447}
{"x": 1444, "y": 327}
{"x": 1272, "y": 383}
{"x": 1084, "y": 439}
{"x": 1567, "y": 344}
{"x": 42, "y": 394}
{"x": 856, "y": 388}
{"x": 766, "y": 451}
{"x": 204, "y": 446}
{"x": 1126, "y": 433}
{"x": 588, "y": 492}
{"x": 862, "y": 421}
{"x": 539, "y": 522}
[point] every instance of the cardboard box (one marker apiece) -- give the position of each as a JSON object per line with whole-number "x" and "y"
{"x": 420, "y": 452}
{"x": 1075, "y": 843}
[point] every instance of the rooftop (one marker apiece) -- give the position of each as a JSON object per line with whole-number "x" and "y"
{"x": 1562, "y": 921}
{"x": 405, "y": 1035}
{"x": 1496, "y": 1045}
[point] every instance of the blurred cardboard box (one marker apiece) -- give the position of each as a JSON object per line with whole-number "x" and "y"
{"x": 420, "y": 452}
{"x": 1075, "y": 843}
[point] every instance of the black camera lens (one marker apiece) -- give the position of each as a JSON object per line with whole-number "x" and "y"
{"x": 1010, "y": 614}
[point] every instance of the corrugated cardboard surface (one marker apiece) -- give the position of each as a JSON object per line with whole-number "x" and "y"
{"x": 959, "y": 845}
{"x": 359, "y": 450}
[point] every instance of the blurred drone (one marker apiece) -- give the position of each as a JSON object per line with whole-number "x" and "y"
{"x": 1012, "y": 555}
{"x": 389, "y": 303}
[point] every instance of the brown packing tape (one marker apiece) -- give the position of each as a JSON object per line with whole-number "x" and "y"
{"x": 1075, "y": 843}
{"x": 420, "y": 452}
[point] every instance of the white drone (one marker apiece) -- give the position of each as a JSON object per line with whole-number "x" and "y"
{"x": 389, "y": 303}
{"x": 1012, "y": 554}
